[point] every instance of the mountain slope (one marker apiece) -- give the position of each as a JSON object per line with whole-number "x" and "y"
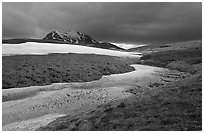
{"x": 107, "y": 45}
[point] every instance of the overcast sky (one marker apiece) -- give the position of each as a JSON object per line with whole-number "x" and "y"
{"x": 115, "y": 22}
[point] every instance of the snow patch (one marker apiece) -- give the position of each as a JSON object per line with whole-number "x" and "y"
{"x": 46, "y": 48}
{"x": 72, "y": 34}
{"x": 128, "y": 45}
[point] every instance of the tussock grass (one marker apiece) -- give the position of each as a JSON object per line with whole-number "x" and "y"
{"x": 30, "y": 70}
{"x": 182, "y": 60}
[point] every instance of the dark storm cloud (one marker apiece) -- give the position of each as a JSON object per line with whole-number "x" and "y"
{"x": 118, "y": 22}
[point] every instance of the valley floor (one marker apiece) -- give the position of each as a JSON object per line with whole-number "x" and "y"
{"x": 167, "y": 95}
{"x": 38, "y": 106}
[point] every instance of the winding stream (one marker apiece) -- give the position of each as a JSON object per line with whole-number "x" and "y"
{"x": 29, "y": 112}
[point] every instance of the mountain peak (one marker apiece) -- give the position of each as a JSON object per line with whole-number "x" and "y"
{"x": 73, "y": 37}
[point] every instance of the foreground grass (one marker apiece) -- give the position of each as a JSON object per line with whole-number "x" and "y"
{"x": 30, "y": 70}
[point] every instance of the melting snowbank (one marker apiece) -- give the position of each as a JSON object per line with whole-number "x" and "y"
{"x": 46, "y": 48}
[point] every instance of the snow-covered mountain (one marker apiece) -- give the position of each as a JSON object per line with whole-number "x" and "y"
{"x": 73, "y": 37}
{"x": 70, "y": 37}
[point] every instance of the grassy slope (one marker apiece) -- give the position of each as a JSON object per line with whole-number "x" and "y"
{"x": 170, "y": 46}
{"x": 174, "y": 106}
{"x": 182, "y": 60}
{"x": 30, "y": 70}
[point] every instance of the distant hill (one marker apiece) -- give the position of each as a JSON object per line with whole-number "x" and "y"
{"x": 71, "y": 37}
{"x": 168, "y": 46}
{"x": 108, "y": 45}
{"x": 146, "y": 47}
